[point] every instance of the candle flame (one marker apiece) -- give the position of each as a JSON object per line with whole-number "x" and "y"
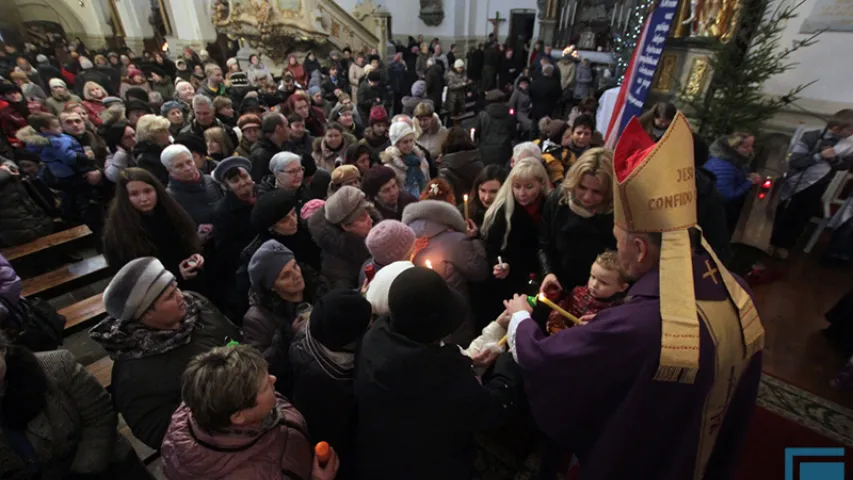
{"x": 464, "y": 198}
{"x": 429, "y": 264}
{"x": 541, "y": 296}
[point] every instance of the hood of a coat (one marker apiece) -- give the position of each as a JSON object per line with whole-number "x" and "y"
{"x": 392, "y": 156}
{"x": 720, "y": 149}
{"x": 30, "y": 137}
{"x": 462, "y": 161}
{"x": 428, "y": 218}
{"x": 499, "y": 111}
{"x": 386, "y": 356}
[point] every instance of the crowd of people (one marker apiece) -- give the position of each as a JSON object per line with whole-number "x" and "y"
{"x": 325, "y": 255}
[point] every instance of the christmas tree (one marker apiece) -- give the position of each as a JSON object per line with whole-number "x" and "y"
{"x": 624, "y": 43}
{"x": 735, "y": 101}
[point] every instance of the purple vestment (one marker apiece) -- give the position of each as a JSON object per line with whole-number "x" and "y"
{"x": 591, "y": 388}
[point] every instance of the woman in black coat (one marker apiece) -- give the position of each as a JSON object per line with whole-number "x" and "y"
{"x": 577, "y": 222}
{"x": 510, "y": 230}
{"x": 145, "y": 221}
{"x": 460, "y": 162}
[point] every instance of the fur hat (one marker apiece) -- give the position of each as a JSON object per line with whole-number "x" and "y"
{"x": 229, "y": 164}
{"x": 248, "y": 120}
{"x": 345, "y": 174}
{"x": 345, "y": 205}
{"x": 339, "y": 318}
{"x": 266, "y": 264}
{"x": 441, "y": 214}
{"x": 390, "y": 241}
{"x": 311, "y": 207}
{"x": 375, "y": 178}
{"x": 135, "y": 288}
{"x": 378, "y": 114}
{"x": 419, "y": 88}
{"x": 399, "y": 130}
{"x": 377, "y": 291}
{"x": 271, "y": 208}
{"x": 423, "y": 307}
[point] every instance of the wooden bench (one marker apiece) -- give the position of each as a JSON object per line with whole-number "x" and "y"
{"x": 102, "y": 370}
{"x": 43, "y": 243}
{"x": 83, "y": 312}
{"x": 67, "y": 277}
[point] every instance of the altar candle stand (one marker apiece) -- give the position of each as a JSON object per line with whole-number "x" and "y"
{"x": 465, "y": 202}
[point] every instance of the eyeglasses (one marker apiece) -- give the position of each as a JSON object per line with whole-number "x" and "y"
{"x": 294, "y": 171}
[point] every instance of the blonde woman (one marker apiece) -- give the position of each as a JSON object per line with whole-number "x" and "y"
{"x": 510, "y": 230}
{"x": 152, "y": 136}
{"x": 218, "y": 144}
{"x": 577, "y": 221}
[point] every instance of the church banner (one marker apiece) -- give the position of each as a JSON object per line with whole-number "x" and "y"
{"x": 831, "y": 15}
{"x": 641, "y": 70}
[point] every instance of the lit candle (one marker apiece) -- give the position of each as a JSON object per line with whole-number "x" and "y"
{"x": 428, "y": 264}
{"x": 465, "y": 201}
{"x": 555, "y": 307}
{"x": 472, "y": 133}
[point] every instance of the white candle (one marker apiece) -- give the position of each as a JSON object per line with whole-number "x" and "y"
{"x": 465, "y": 201}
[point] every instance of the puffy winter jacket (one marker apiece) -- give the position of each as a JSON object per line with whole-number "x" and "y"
{"x": 21, "y": 219}
{"x": 63, "y": 157}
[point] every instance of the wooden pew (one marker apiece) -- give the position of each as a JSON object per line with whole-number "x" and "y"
{"x": 67, "y": 277}
{"x": 83, "y": 312}
{"x": 43, "y": 243}
{"x": 102, "y": 370}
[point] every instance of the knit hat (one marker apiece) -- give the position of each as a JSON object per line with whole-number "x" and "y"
{"x": 345, "y": 205}
{"x": 374, "y": 76}
{"x": 345, "y": 174}
{"x": 419, "y": 88}
{"x": 430, "y": 217}
{"x": 390, "y": 241}
{"x": 281, "y": 160}
{"x": 266, "y": 264}
{"x": 339, "y": 318}
{"x": 336, "y": 112}
{"x": 314, "y": 90}
{"x": 135, "y": 288}
{"x": 250, "y": 103}
{"x": 375, "y": 178}
{"x": 132, "y": 72}
{"x": 459, "y": 63}
{"x": 137, "y": 93}
{"x": 169, "y": 106}
{"x": 56, "y": 82}
{"x": 377, "y": 115}
{"x": 271, "y": 208}
{"x": 136, "y": 104}
{"x": 238, "y": 79}
{"x": 310, "y": 207}
{"x": 85, "y": 63}
{"x": 423, "y": 307}
{"x": 399, "y": 130}
{"x": 230, "y": 61}
{"x": 41, "y": 58}
{"x": 228, "y": 164}
{"x": 377, "y": 291}
{"x": 249, "y": 120}
{"x": 193, "y": 142}
{"x": 107, "y": 101}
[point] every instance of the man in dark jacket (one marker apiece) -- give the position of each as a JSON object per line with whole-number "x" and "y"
{"x": 46, "y": 69}
{"x": 419, "y": 401}
{"x": 544, "y": 93}
{"x": 495, "y": 130}
{"x": 372, "y": 93}
{"x": 491, "y": 62}
{"x": 274, "y": 133}
{"x": 152, "y": 332}
{"x": 204, "y": 117}
{"x": 21, "y": 218}
{"x": 475, "y": 63}
{"x": 434, "y": 79}
{"x": 193, "y": 190}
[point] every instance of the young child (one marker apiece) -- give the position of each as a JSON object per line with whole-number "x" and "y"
{"x": 606, "y": 288}
{"x": 64, "y": 159}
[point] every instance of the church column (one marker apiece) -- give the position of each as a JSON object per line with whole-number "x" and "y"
{"x": 191, "y": 25}
{"x": 134, "y": 18}
{"x": 548, "y": 21}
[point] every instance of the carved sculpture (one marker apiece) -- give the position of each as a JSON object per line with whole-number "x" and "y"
{"x": 708, "y": 18}
{"x": 432, "y": 12}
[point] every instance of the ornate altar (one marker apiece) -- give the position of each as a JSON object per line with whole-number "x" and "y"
{"x": 277, "y": 28}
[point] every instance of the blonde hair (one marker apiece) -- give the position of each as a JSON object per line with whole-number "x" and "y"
{"x": 149, "y": 125}
{"x": 609, "y": 260}
{"x": 217, "y": 134}
{"x": 597, "y": 162}
{"x": 527, "y": 169}
{"x": 219, "y": 383}
{"x": 15, "y": 76}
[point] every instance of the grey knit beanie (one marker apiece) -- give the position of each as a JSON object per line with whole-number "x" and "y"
{"x": 135, "y": 288}
{"x": 267, "y": 263}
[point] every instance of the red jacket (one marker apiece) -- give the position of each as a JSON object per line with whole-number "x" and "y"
{"x": 10, "y": 122}
{"x": 93, "y": 110}
{"x": 580, "y": 303}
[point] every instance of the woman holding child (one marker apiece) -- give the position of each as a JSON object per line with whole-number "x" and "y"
{"x": 577, "y": 221}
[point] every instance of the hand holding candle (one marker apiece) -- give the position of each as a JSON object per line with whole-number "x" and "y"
{"x": 501, "y": 270}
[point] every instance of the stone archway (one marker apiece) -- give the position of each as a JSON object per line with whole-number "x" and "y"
{"x": 56, "y": 11}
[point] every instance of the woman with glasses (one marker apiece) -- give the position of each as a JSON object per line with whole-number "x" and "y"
{"x": 287, "y": 174}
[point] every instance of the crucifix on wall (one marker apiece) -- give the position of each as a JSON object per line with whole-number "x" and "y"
{"x": 496, "y": 23}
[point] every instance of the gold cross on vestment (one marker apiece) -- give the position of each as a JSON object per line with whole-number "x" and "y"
{"x": 710, "y": 272}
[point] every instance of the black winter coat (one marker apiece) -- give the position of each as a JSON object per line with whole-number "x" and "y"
{"x": 569, "y": 243}
{"x": 544, "y": 94}
{"x": 434, "y": 79}
{"x": 711, "y": 215}
{"x": 343, "y": 253}
{"x": 147, "y": 155}
{"x": 460, "y": 169}
{"x": 198, "y": 198}
{"x": 147, "y": 390}
{"x": 21, "y": 218}
{"x": 193, "y": 128}
{"x": 419, "y": 406}
{"x": 92, "y": 75}
{"x": 496, "y": 129}
{"x": 262, "y": 152}
{"x": 232, "y": 231}
{"x": 475, "y": 65}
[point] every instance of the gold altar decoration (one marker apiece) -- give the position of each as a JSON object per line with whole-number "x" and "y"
{"x": 715, "y": 19}
{"x": 696, "y": 78}
{"x": 664, "y": 80}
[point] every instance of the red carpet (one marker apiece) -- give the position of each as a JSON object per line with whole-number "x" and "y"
{"x": 763, "y": 455}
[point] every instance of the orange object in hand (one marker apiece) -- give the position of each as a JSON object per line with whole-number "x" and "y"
{"x": 321, "y": 450}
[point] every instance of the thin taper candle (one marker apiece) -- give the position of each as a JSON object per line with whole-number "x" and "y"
{"x": 556, "y": 308}
{"x": 465, "y": 201}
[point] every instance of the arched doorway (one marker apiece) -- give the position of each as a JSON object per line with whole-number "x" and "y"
{"x": 56, "y": 12}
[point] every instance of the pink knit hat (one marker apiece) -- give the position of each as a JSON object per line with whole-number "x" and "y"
{"x": 310, "y": 207}
{"x": 390, "y": 241}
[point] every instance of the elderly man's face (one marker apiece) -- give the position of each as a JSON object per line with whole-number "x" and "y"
{"x": 183, "y": 168}
{"x": 186, "y": 92}
{"x": 73, "y": 125}
{"x": 203, "y": 115}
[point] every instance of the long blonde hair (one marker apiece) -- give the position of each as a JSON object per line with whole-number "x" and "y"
{"x": 527, "y": 169}
{"x": 597, "y": 162}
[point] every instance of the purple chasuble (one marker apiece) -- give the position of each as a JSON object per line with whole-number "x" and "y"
{"x": 591, "y": 388}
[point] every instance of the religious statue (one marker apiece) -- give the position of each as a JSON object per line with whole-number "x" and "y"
{"x": 220, "y": 12}
{"x": 432, "y": 12}
{"x": 708, "y": 18}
